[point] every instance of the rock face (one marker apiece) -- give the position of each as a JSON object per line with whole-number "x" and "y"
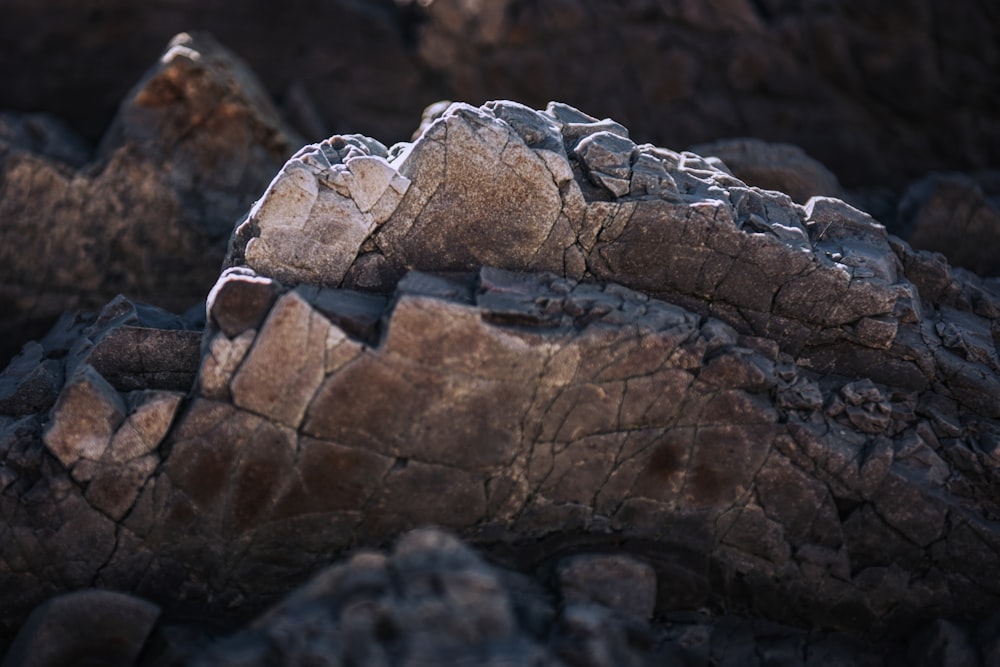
{"x": 192, "y": 145}
{"x": 527, "y": 329}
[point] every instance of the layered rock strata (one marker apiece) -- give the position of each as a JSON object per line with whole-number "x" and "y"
{"x": 526, "y": 328}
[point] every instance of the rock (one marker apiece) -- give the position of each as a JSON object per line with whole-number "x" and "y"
{"x": 30, "y": 383}
{"x": 607, "y": 159}
{"x": 772, "y": 407}
{"x": 774, "y": 166}
{"x": 191, "y": 147}
{"x": 87, "y": 414}
{"x": 954, "y": 214}
{"x": 90, "y": 626}
{"x": 432, "y": 598}
{"x": 821, "y": 77}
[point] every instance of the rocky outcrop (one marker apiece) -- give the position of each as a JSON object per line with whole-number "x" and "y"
{"x": 527, "y": 329}
{"x": 192, "y": 145}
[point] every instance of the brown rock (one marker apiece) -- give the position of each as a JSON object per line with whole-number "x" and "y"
{"x": 85, "y": 417}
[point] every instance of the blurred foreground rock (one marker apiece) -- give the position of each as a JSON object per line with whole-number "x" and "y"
{"x": 527, "y": 329}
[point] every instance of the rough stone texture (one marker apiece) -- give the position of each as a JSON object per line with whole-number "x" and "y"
{"x": 786, "y": 413}
{"x": 957, "y": 215}
{"x": 85, "y": 627}
{"x": 191, "y": 146}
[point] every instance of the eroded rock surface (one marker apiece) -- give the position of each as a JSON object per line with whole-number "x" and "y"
{"x": 527, "y": 329}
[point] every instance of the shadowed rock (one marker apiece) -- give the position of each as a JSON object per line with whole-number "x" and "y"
{"x": 86, "y": 627}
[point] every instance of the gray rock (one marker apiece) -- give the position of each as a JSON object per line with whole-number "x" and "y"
{"x": 607, "y": 158}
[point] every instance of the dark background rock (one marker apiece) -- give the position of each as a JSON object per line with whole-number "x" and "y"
{"x": 878, "y": 92}
{"x": 957, "y": 215}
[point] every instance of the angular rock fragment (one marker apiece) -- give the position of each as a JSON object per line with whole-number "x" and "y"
{"x": 86, "y": 416}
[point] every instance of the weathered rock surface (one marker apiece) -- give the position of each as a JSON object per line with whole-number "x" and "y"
{"x": 527, "y": 329}
{"x": 190, "y": 148}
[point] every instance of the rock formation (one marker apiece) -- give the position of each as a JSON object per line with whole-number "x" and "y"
{"x": 192, "y": 145}
{"x": 527, "y": 329}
